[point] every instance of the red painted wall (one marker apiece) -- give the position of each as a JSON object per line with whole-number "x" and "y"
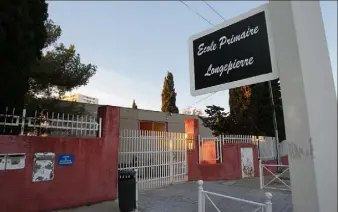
{"x": 92, "y": 178}
{"x": 208, "y": 152}
{"x": 285, "y": 160}
{"x": 229, "y": 169}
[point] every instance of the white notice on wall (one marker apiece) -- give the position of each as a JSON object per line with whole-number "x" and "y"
{"x": 43, "y": 166}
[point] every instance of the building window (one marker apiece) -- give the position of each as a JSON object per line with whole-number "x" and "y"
{"x": 152, "y": 126}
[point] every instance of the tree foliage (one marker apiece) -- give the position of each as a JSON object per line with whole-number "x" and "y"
{"x": 262, "y": 109}
{"x": 218, "y": 121}
{"x": 22, "y": 37}
{"x": 169, "y": 95}
{"x": 251, "y": 112}
{"x": 240, "y": 109}
{"x": 33, "y": 65}
{"x": 134, "y": 105}
{"x": 60, "y": 69}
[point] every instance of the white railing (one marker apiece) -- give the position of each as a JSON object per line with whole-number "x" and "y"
{"x": 283, "y": 148}
{"x": 203, "y": 195}
{"x": 159, "y": 157}
{"x": 266, "y": 146}
{"x": 50, "y": 124}
{"x": 276, "y": 177}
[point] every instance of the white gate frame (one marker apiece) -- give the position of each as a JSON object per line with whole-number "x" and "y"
{"x": 275, "y": 176}
{"x": 202, "y": 195}
{"x": 159, "y": 157}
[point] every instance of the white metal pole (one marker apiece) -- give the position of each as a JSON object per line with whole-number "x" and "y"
{"x": 171, "y": 170}
{"x": 268, "y": 203}
{"x": 200, "y": 196}
{"x": 260, "y": 174}
{"x": 275, "y": 125}
{"x": 23, "y": 121}
{"x": 199, "y": 147}
{"x": 100, "y": 127}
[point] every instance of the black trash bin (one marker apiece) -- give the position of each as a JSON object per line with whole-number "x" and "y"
{"x": 127, "y": 190}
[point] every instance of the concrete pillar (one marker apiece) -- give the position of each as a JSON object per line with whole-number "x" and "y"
{"x": 192, "y": 132}
{"x": 309, "y": 103}
{"x": 111, "y": 135}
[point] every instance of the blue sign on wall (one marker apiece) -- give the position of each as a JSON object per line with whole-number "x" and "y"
{"x": 65, "y": 160}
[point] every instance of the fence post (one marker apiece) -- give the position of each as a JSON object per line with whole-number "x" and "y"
{"x": 199, "y": 148}
{"x": 136, "y": 190}
{"x": 100, "y": 127}
{"x": 260, "y": 174}
{"x": 200, "y": 196}
{"x": 268, "y": 203}
{"x": 23, "y": 121}
{"x": 171, "y": 158}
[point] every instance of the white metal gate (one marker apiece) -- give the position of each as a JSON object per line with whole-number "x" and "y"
{"x": 159, "y": 157}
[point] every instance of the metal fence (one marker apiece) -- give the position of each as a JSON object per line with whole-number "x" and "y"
{"x": 278, "y": 181}
{"x": 210, "y": 148}
{"x": 267, "y": 148}
{"x": 283, "y": 148}
{"x": 159, "y": 157}
{"x": 205, "y": 195}
{"x": 49, "y": 124}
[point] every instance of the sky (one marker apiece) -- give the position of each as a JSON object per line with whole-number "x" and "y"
{"x": 135, "y": 43}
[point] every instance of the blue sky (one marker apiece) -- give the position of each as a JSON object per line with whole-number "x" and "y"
{"x": 135, "y": 43}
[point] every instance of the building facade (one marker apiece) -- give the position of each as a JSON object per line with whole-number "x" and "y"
{"x": 157, "y": 121}
{"x": 138, "y": 119}
{"x": 80, "y": 98}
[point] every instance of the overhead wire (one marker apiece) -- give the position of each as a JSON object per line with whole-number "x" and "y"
{"x": 201, "y": 16}
{"x": 209, "y": 22}
{"x": 213, "y": 9}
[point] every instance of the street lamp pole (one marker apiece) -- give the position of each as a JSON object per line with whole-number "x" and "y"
{"x": 274, "y": 122}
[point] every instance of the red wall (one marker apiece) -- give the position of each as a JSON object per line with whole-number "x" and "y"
{"x": 92, "y": 177}
{"x": 285, "y": 160}
{"x": 229, "y": 169}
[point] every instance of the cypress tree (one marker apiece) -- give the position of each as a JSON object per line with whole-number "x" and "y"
{"x": 251, "y": 108}
{"x": 134, "y": 106}
{"x": 169, "y": 95}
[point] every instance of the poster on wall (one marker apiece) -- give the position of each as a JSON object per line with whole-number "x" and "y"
{"x": 247, "y": 162}
{"x": 234, "y": 53}
{"x": 43, "y": 166}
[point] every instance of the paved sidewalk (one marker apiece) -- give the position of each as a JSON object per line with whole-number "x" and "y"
{"x": 183, "y": 198}
{"x": 110, "y": 206}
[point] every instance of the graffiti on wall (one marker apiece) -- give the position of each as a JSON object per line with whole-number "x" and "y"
{"x": 43, "y": 166}
{"x": 247, "y": 162}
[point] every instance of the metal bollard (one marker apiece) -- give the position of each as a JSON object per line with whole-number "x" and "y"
{"x": 260, "y": 174}
{"x": 200, "y": 196}
{"x": 268, "y": 203}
